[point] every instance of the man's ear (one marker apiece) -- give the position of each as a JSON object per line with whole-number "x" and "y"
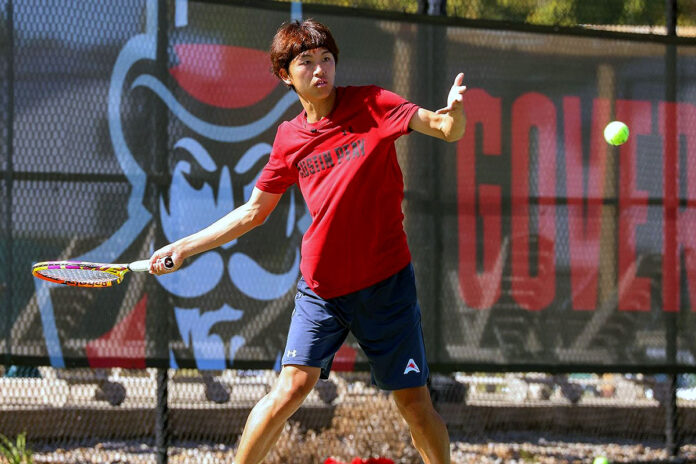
{"x": 285, "y": 77}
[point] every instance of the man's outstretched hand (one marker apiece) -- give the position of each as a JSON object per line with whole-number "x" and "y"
{"x": 455, "y": 96}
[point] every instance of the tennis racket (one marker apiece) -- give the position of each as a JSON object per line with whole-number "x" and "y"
{"x": 82, "y": 274}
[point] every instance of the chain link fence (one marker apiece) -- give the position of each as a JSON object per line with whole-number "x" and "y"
{"x": 84, "y": 415}
{"x": 129, "y": 124}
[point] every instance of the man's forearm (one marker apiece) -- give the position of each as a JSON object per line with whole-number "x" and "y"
{"x": 452, "y": 127}
{"x": 233, "y": 225}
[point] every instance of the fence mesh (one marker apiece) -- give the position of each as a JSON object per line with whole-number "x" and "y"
{"x": 130, "y": 124}
{"x": 5, "y": 203}
{"x": 108, "y": 415}
{"x": 512, "y": 233}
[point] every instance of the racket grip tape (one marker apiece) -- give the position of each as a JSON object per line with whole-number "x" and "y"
{"x": 144, "y": 265}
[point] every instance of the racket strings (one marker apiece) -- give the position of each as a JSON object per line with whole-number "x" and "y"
{"x": 85, "y": 276}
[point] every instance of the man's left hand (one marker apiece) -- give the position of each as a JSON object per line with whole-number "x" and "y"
{"x": 454, "y": 99}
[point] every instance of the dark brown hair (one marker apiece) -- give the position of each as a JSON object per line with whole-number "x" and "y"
{"x": 297, "y": 37}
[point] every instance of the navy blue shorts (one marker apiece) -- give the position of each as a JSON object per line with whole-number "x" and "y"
{"x": 385, "y": 318}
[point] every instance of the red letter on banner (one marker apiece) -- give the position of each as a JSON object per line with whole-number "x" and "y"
{"x": 634, "y": 292}
{"x": 686, "y": 116}
{"x": 479, "y": 290}
{"x": 533, "y": 111}
{"x": 584, "y": 231}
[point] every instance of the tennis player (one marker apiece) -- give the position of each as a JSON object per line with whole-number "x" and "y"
{"x": 356, "y": 266}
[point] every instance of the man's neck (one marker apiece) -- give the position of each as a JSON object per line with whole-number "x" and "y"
{"x": 318, "y": 109}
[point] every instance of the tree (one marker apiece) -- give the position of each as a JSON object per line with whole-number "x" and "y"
{"x": 545, "y": 12}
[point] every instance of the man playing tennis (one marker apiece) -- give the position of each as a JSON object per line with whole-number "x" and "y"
{"x": 356, "y": 266}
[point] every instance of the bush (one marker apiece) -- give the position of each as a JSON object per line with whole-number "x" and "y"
{"x": 15, "y": 453}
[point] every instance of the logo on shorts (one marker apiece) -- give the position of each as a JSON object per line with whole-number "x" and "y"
{"x": 411, "y": 366}
{"x": 292, "y": 354}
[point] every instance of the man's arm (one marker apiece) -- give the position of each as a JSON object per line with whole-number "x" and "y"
{"x": 235, "y": 224}
{"x": 447, "y": 123}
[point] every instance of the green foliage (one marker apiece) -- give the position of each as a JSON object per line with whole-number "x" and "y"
{"x": 642, "y": 12}
{"x": 503, "y": 10}
{"x": 15, "y": 453}
{"x": 563, "y": 12}
{"x": 555, "y": 12}
{"x": 686, "y": 15}
{"x": 405, "y": 6}
{"x": 603, "y": 12}
{"x": 544, "y": 12}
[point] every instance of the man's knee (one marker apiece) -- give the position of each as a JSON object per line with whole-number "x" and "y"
{"x": 295, "y": 383}
{"x": 414, "y": 404}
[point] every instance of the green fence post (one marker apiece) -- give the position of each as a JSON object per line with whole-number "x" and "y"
{"x": 9, "y": 173}
{"x": 161, "y": 124}
{"x": 670, "y": 215}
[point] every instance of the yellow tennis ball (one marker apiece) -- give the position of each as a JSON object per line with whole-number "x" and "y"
{"x": 616, "y": 133}
{"x": 600, "y": 460}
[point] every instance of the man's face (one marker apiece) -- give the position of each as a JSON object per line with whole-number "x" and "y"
{"x": 312, "y": 73}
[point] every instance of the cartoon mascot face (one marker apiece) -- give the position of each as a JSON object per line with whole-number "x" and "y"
{"x": 191, "y": 138}
{"x": 223, "y": 108}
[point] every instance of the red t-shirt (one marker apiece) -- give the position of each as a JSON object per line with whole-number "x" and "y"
{"x": 346, "y": 167}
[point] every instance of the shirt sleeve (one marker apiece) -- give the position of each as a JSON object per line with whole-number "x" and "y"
{"x": 394, "y": 112}
{"x": 276, "y": 176}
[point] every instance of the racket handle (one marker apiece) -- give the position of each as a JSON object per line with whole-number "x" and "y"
{"x": 144, "y": 265}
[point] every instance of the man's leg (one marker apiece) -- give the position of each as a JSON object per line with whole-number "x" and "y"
{"x": 266, "y": 420}
{"x": 428, "y": 430}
